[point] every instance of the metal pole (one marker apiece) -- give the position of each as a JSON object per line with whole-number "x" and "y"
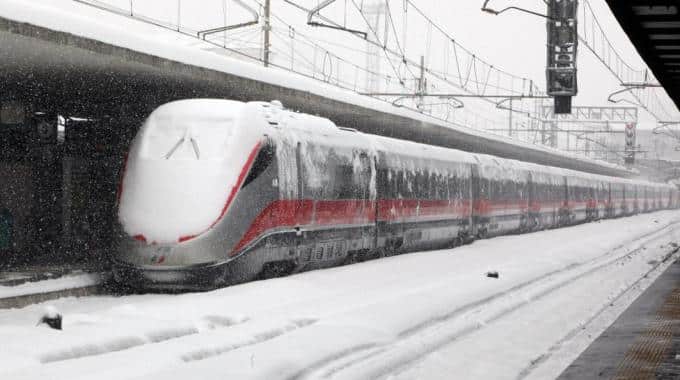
{"x": 267, "y": 28}
{"x": 421, "y": 82}
{"x": 510, "y": 119}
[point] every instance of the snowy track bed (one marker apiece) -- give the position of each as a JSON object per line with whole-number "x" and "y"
{"x": 425, "y": 315}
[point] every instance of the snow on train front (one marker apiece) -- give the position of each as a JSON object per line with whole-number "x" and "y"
{"x": 181, "y": 176}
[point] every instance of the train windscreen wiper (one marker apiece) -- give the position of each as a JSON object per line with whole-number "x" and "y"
{"x": 194, "y": 145}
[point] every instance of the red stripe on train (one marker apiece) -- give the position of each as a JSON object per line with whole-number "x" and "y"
{"x": 292, "y": 213}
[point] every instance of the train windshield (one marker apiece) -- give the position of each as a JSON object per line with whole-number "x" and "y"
{"x": 180, "y": 171}
{"x": 188, "y": 139}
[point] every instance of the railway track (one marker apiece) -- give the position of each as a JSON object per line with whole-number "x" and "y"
{"x": 391, "y": 359}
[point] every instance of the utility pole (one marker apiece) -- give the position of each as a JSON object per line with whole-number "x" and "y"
{"x": 267, "y": 29}
{"x": 510, "y": 119}
{"x": 421, "y": 82}
{"x": 375, "y": 14}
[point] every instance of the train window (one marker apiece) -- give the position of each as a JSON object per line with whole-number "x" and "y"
{"x": 382, "y": 182}
{"x": 416, "y": 183}
{"x": 409, "y": 190}
{"x": 520, "y": 191}
{"x": 391, "y": 190}
{"x": 454, "y": 187}
{"x": 441, "y": 188}
{"x": 422, "y": 188}
{"x": 361, "y": 175}
{"x": 400, "y": 188}
{"x": 262, "y": 162}
{"x": 343, "y": 185}
{"x": 437, "y": 190}
{"x": 484, "y": 188}
{"x": 505, "y": 190}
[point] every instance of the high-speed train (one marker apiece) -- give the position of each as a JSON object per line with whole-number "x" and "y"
{"x": 216, "y": 192}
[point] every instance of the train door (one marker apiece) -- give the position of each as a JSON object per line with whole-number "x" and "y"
{"x": 523, "y": 187}
{"x": 364, "y": 196}
{"x": 603, "y": 199}
{"x": 564, "y": 212}
{"x": 389, "y": 224}
{"x": 591, "y": 203}
{"x": 610, "y": 200}
{"x": 534, "y": 207}
{"x": 477, "y": 197}
{"x": 291, "y": 185}
{"x": 548, "y": 191}
{"x": 671, "y": 197}
{"x": 467, "y": 198}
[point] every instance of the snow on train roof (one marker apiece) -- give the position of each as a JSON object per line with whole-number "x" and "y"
{"x": 310, "y": 128}
{"x": 316, "y": 128}
{"x": 439, "y": 158}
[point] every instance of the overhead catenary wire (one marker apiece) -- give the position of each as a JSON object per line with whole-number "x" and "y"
{"x": 321, "y": 58}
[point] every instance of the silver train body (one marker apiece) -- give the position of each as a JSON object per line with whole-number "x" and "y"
{"x": 282, "y": 192}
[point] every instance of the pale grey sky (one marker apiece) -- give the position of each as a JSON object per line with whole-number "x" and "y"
{"x": 516, "y": 42}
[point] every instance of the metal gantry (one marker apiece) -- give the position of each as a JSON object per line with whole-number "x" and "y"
{"x": 592, "y": 126}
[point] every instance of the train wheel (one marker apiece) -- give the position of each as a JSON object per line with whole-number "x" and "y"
{"x": 380, "y": 253}
{"x": 277, "y": 269}
{"x": 352, "y": 258}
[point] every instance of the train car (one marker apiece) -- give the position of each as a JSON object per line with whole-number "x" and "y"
{"x": 667, "y": 197}
{"x": 546, "y": 195}
{"x": 633, "y": 193}
{"x": 674, "y": 197}
{"x": 216, "y": 192}
{"x": 424, "y": 196}
{"x": 581, "y": 203}
{"x": 618, "y": 200}
{"x": 602, "y": 195}
{"x": 655, "y": 195}
{"x": 647, "y": 197}
{"x": 501, "y": 205}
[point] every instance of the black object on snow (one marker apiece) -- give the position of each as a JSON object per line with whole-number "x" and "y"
{"x": 52, "y": 319}
{"x": 492, "y": 274}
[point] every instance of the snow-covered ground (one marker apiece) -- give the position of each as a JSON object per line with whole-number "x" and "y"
{"x": 424, "y": 315}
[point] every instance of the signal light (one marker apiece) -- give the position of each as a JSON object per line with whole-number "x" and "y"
{"x": 561, "y": 53}
{"x": 629, "y": 133}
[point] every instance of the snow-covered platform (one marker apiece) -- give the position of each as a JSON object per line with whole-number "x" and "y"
{"x": 644, "y": 342}
{"x": 30, "y": 285}
{"x": 432, "y": 315}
